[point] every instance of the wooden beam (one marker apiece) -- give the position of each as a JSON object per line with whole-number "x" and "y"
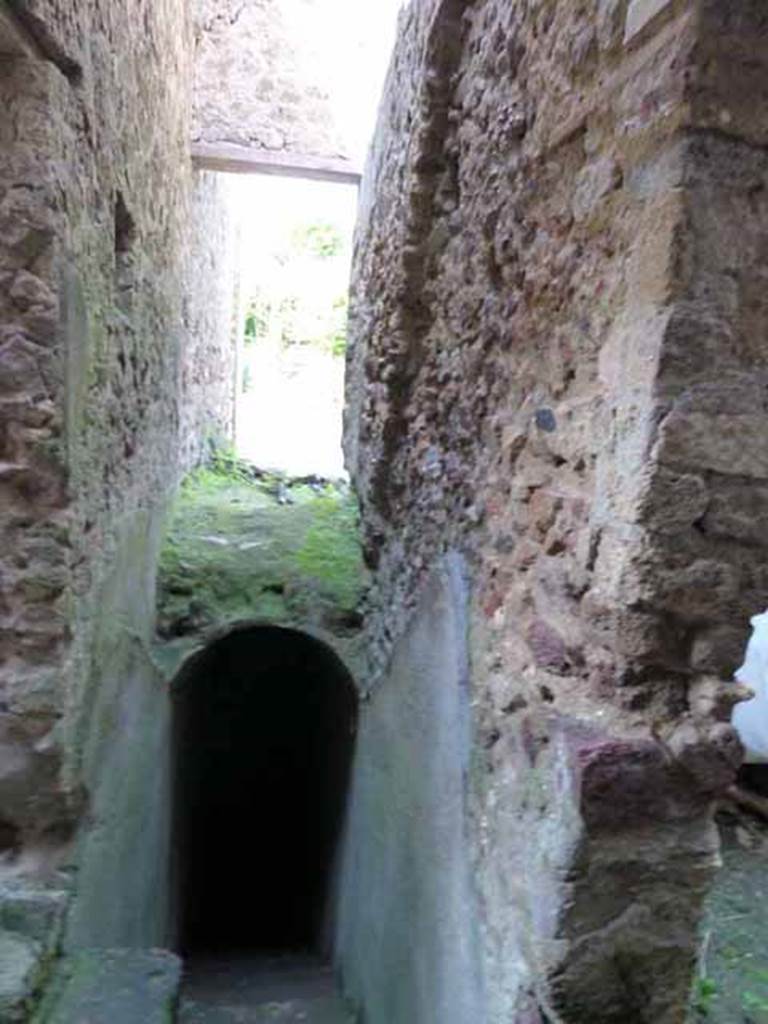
{"x": 227, "y": 156}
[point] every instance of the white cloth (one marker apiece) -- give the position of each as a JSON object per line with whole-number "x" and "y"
{"x": 750, "y": 718}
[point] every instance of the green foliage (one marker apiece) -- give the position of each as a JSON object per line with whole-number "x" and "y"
{"x": 320, "y": 240}
{"x": 223, "y": 466}
{"x": 704, "y": 996}
{"x": 337, "y": 341}
{"x": 331, "y": 550}
{"x": 289, "y": 307}
{"x": 287, "y": 312}
{"x": 753, "y": 1002}
{"x": 257, "y": 319}
{"x": 245, "y": 545}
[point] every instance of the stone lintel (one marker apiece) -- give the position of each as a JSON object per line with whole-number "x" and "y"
{"x": 227, "y": 156}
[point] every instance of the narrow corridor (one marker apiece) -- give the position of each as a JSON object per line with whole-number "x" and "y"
{"x": 265, "y": 727}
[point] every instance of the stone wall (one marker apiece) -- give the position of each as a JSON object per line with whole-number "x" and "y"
{"x": 210, "y": 317}
{"x": 556, "y": 371}
{"x": 259, "y": 78}
{"x": 103, "y": 407}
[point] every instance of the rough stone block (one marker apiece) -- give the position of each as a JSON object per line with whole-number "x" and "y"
{"x": 30, "y": 912}
{"x": 733, "y": 61}
{"x": 679, "y": 502}
{"x": 738, "y": 511}
{"x": 627, "y": 783}
{"x": 728, "y": 444}
{"x": 693, "y": 591}
{"x": 119, "y": 986}
{"x": 595, "y": 182}
{"x": 720, "y": 649}
{"x": 642, "y": 13}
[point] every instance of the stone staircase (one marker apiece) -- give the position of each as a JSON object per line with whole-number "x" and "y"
{"x": 30, "y": 919}
{"x": 261, "y": 991}
{"x": 134, "y": 986}
{"x": 19, "y": 963}
{"x": 112, "y": 986}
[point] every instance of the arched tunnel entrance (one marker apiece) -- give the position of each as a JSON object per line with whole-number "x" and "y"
{"x": 264, "y": 734}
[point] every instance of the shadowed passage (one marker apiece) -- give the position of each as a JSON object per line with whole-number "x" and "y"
{"x": 264, "y": 735}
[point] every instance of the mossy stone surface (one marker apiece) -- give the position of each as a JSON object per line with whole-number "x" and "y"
{"x": 240, "y": 549}
{"x": 34, "y": 913}
{"x": 121, "y": 986}
{"x": 19, "y": 963}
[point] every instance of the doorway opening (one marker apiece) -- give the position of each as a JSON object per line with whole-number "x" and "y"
{"x": 294, "y": 283}
{"x": 265, "y": 722}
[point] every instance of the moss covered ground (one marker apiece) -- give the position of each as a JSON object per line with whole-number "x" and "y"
{"x": 732, "y": 986}
{"x": 244, "y": 546}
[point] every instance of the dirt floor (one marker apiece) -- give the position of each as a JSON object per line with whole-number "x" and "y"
{"x": 732, "y": 986}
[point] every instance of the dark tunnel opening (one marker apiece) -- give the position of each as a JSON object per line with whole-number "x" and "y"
{"x": 264, "y": 735}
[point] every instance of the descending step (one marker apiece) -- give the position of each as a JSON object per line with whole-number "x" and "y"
{"x": 19, "y": 959}
{"x": 112, "y": 986}
{"x": 248, "y": 990}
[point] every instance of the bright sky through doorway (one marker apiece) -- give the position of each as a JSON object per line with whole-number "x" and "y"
{"x": 296, "y": 239}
